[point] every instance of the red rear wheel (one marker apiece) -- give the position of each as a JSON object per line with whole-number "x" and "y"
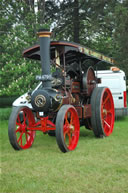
{"x": 20, "y": 135}
{"x": 107, "y": 112}
{"x": 103, "y": 114}
{"x": 67, "y": 128}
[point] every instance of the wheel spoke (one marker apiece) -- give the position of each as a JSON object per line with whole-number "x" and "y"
{"x": 68, "y": 129}
{"x": 18, "y": 130}
{"x": 19, "y": 124}
{"x": 110, "y": 111}
{"x": 18, "y": 118}
{"x": 25, "y": 117}
{"x": 102, "y": 118}
{"x": 71, "y": 120}
{"x": 66, "y": 119}
{"x": 26, "y": 136}
{"x": 104, "y": 102}
{"x": 70, "y": 138}
{"x": 107, "y": 123}
{"x": 20, "y": 138}
{"x": 65, "y": 128}
{"x": 29, "y": 133}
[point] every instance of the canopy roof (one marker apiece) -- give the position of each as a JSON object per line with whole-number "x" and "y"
{"x": 72, "y": 52}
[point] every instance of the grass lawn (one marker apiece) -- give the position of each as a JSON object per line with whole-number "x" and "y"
{"x": 96, "y": 165}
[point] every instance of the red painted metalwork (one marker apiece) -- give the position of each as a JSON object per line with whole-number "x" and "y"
{"x": 44, "y": 125}
{"x": 107, "y": 112}
{"x": 25, "y": 137}
{"x": 26, "y": 127}
{"x": 125, "y": 99}
{"x": 71, "y": 129}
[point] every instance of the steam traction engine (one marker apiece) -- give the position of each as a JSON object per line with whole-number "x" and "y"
{"x": 65, "y": 99}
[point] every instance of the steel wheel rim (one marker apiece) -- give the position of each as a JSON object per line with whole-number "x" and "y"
{"x": 71, "y": 129}
{"x": 25, "y": 137}
{"x": 107, "y": 112}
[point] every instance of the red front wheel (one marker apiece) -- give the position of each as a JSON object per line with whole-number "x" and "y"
{"x": 67, "y": 128}
{"x": 103, "y": 114}
{"x": 19, "y": 132}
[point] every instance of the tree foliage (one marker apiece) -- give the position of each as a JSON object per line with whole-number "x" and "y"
{"x": 121, "y": 35}
{"x": 101, "y": 25}
{"x": 18, "y": 31}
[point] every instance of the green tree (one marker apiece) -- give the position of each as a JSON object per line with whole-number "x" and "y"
{"x": 121, "y": 35}
{"x": 101, "y": 25}
{"x": 18, "y": 26}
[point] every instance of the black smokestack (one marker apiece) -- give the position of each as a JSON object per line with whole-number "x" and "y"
{"x": 44, "y": 39}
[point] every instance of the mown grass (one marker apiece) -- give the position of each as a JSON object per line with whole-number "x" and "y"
{"x": 96, "y": 166}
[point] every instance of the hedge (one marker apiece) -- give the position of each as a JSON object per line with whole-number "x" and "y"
{"x": 6, "y": 101}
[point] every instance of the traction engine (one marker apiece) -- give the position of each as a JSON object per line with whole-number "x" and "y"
{"x": 65, "y": 99}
